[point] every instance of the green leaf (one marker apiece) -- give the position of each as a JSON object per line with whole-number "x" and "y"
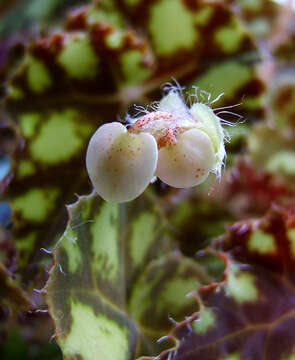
{"x": 249, "y": 191}
{"x": 21, "y": 15}
{"x": 270, "y": 143}
{"x": 260, "y": 16}
{"x": 90, "y": 72}
{"x": 11, "y": 293}
{"x": 198, "y": 219}
{"x": 162, "y": 289}
{"x": 250, "y": 313}
{"x": 109, "y": 270}
{"x": 16, "y": 347}
{"x": 276, "y": 155}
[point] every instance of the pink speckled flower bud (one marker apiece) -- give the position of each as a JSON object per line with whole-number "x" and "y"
{"x": 120, "y": 165}
{"x": 180, "y": 145}
{"x": 188, "y": 162}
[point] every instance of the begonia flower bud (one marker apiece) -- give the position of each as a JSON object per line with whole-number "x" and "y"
{"x": 120, "y": 164}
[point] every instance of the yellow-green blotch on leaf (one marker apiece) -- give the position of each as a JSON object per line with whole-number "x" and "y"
{"x": 15, "y": 92}
{"x": 229, "y": 37}
{"x": 78, "y": 58}
{"x": 70, "y": 245}
{"x": 38, "y": 76}
{"x": 35, "y": 204}
{"x": 241, "y": 286}
{"x": 25, "y": 246}
{"x": 62, "y": 136}
{"x": 133, "y": 68}
{"x": 202, "y": 17}
{"x": 25, "y": 168}
{"x": 110, "y": 15}
{"x": 28, "y": 123}
{"x": 26, "y": 243}
{"x": 140, "y": 299}
{"x": 172, "y": 27}
{"x": 233, "y": 357}
{"x": 94, "y": 336}
{"x": 291, "y": 238}
{"x": 217, "y": 80}
{"x": 105, "y": 249}
{"x": 282, "y": 162}
{"x": 205, "y": 322}
{"x": 262, "y": 242}
{"x": 173, "y": 295}
{"x": 114, "y": 40}
{"x": 142, "y": 235}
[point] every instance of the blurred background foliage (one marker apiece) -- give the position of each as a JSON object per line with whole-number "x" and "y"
{"x": 68, "y": 66}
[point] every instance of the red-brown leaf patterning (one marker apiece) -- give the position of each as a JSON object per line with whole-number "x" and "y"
{"x": 108, "y": 56}
{"x": 251, "y": 314}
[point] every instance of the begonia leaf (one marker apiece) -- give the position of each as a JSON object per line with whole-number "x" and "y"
{"x": 281, "y": 100}
{"x": 250, "y": 313}
{"x": 250, "y": 191}
{"x": 11, "y": 294}
{"x": 196, "y": 220}
{"x": 18, "y": 15}
{"x": 244, "y": 191}
{"x": 107, "y": 276}
{"x": 16, "y": 347}
{"x": 276, "y": 155}
{"x": 260, "y": 15}
{"x": 285, "y": 51}
{"x": 74, "y": 80}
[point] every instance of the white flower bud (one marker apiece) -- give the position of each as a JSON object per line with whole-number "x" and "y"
{"x": 207, "y": 121}
{"x": 188, "y": 162}
{"x": 120, "y": 164}
{"x": 172, "y": 102}
{"x": 178, "y": 144}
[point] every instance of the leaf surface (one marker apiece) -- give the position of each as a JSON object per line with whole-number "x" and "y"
{"x": 108, "y": 276}
{"x": 12, "y": 295}
{"x": 73, "y": 80}
{"x": 251, "y": 313}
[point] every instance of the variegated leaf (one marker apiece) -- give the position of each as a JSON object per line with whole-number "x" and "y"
{"x": 261, "y": 15}
{"x": 72, "y": 81}
{"x": 12, "y": 296}
{"x": 111, "y": 289}
{"x": 251, "y": 313}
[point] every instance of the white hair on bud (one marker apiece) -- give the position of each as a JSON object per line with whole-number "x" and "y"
{"x": 177, "y": 143}
{"x": 176, "y": 87}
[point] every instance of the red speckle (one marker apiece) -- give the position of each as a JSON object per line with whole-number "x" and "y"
{"x": 170, "y": 136}
{"x": 153, "y": 116}
{"x": 196, "y": 176}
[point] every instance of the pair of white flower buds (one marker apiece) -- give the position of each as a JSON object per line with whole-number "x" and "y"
{"x": 177, "y": 144}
